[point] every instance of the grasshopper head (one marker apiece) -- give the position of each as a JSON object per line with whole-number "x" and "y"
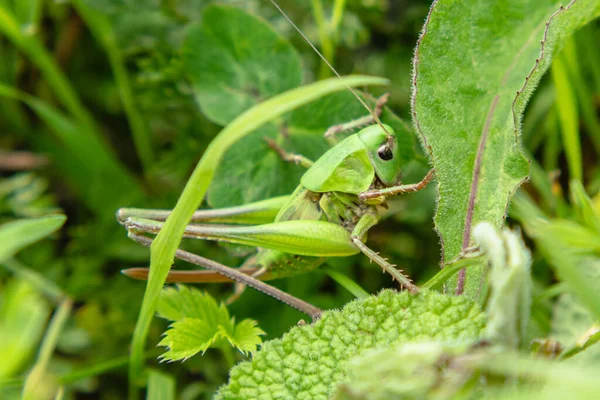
{"x": 383, "y": 150}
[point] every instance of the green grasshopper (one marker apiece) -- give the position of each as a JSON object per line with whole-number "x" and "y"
{"x": 328, "y": 215}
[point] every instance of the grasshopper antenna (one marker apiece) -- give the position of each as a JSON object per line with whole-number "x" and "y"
{"x": 373, "y": 114}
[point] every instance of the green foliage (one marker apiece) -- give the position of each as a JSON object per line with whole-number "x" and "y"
{"x": 451, "y": 370}
{"x": 252, "y": 171}
{"x": 16, "y": 235}
{"x": 572, "y": 326}
{"x": 406, "y": 371}
{"x": 465, "y": 105}
{"x": 161, "y": 386}
{"x": 107, "y": 104}
{"x": 23, "y": 312}
{"x": 510, "y": 284}
{"x": 570, "y": 248}
{"x": 200, "y": 324}
{"x": 310, "y": 360}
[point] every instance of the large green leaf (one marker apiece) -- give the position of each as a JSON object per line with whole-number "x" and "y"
{"x": 310, "y": 360}
{"x": 471, "y": 60}
{"x": 235, "y": 60}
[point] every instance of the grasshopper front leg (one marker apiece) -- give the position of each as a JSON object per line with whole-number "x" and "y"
{"x": 366, "y": 222}
{"x": 379, "y": 196}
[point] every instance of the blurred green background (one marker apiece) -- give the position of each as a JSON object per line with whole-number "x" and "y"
{"x": 97, "y": 112}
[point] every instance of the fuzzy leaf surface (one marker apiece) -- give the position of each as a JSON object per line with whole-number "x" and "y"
{"x": 476, "y": 66}
{"x": 310, "y": 360}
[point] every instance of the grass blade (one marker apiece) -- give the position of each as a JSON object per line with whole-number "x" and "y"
{"x": 104, "y": 34}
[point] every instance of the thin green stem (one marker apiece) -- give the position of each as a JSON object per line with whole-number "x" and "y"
{"x": 582, "y": 91}
{"x": 38, "y": 54}
{"x": 336, "y": 18}
{"x": 568, "y": 116}
{"x": 552, "y": 291}
{"x": 347, "y": 283}
{"x": 47, "y": 348}
{"x": 101, "y": 368}
{"x": 324, "y": 37}
{"x": 448, "y": 271}
{"x": 591, "y": 337}
{"x": 39, "y": 281}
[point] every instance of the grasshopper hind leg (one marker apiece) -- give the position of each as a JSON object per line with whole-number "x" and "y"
{"x": 366, "y": 222}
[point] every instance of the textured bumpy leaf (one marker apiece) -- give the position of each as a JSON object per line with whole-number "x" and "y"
{"x": 252, "y": 171}
{"x": 235, "y": 60}
{"x": 309, "y": 361}
{"x": 200, "y": 323}
{"x": 476, "y": 66}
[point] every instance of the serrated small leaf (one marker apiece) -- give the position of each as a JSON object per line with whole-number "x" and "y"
{"x": 245, "y": 336}
{"x": 188, "y": 337}
{"x": 310, "y": 360}
{"x": 178, "y": 303}
{"x": 200, "y": 324}
{"x": 469, "y": 96}
{"x": 235, "y": 60}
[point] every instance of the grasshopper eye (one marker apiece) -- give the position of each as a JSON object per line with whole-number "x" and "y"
{"x": 385, "y": 153}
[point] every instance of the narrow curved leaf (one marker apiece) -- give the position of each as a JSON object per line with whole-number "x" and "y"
{"x": 476, "y": 65}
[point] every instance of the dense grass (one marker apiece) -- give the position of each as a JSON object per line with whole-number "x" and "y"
{"x": 103, "y": 104}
